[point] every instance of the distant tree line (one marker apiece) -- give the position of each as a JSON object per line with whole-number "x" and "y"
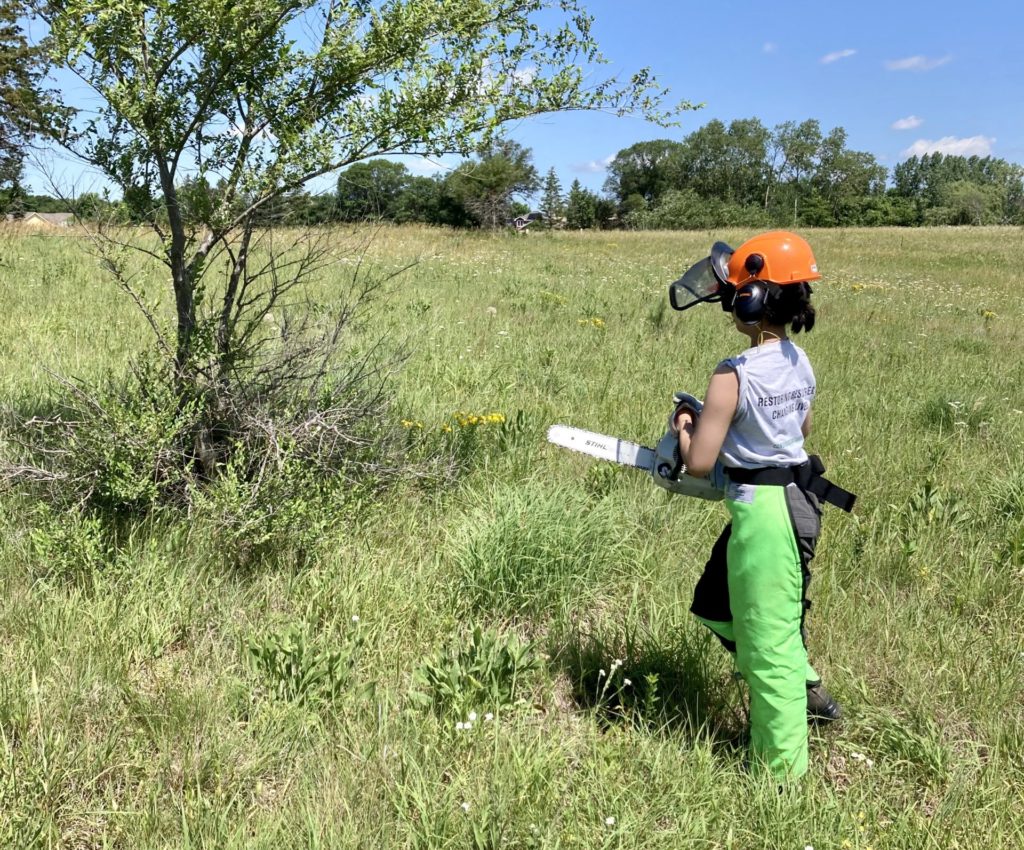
{"x": 742, "y": 174}
{"x": 794, "y": 174}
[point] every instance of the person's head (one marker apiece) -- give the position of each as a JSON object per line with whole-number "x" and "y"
{"x": 765, "y": 281}
{"x": 768, "y": 281}
{"x": 781, "y": 306}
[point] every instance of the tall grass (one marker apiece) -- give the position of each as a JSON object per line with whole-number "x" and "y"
{"x": 157, "y": 691}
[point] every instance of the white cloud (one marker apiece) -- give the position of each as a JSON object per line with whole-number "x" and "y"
{"x": 829, "y": 58}
{"x": 916, "y": 63}
{"x": 525, "y": 76}
{"x": 908, "y": 123}
{"x": 952, "y": 146}
{"x": 595, "y": 166}
{"x": 769, "y": 47}
{"x": 425, "y": 166}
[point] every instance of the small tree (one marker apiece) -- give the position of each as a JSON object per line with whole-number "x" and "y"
{"x": 552, "y": 204}
{"x": 21, "y": 68}
{"x": 257, "y": 98}
{"x": 370, "y": 190}
{"x": 488, "y": 186}
{"x": 225, "y": 90}
{"x": 971, "y": 203}
{"x": 580, "y": 207}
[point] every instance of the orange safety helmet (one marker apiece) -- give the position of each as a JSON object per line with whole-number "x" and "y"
{"x": 774, "y": 257}
{"x": 777, "y": 257}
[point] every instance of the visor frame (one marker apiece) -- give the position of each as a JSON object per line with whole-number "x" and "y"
{"x": 703, "y": 282}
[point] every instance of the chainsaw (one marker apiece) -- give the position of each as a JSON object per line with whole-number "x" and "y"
{"x": 663, "y": 462}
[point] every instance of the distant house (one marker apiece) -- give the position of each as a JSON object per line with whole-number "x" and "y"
{"x": 42, "y": 220}
{"x": 521, "y": 222}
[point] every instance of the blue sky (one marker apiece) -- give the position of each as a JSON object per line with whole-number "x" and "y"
{"x": 901, "y": 77}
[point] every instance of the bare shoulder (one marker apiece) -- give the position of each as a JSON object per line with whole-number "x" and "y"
{"x": 723, "y": 391}
{"x": 724, "y": 381}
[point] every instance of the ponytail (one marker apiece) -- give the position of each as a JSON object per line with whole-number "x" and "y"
{"x": 790, "y": 304}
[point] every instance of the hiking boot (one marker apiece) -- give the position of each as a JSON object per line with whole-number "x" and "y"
{"x": 821, "y": 705}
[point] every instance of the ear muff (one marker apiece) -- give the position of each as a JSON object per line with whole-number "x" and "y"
{"x": 749, "y": 301}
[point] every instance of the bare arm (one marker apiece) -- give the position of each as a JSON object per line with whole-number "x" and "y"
{"x": 700, "y": 443}
{"x": 805, "y": 429}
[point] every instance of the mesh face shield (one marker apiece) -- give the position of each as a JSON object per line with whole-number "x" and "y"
{"x": 705, "y": 280}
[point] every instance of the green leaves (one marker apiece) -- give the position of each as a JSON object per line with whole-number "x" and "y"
{"x": 258, "y": 97}
{"x": 21, "y": 67}
{"x": 483, "y": 673}
{"x": 294, "y": 668}
{"x": 292, "y": 89}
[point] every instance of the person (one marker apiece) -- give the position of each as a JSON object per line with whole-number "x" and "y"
{"x": 755, "y": 418}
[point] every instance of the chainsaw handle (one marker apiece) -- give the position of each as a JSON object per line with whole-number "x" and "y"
{"x": 683, "y": 401}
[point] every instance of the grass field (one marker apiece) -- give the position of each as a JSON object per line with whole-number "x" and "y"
{"x": 157, "y": 694}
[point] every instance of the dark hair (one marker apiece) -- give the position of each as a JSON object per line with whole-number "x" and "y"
{"x": 789, "y": 303}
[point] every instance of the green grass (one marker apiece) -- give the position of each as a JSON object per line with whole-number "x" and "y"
{"x": 132, "y": 713}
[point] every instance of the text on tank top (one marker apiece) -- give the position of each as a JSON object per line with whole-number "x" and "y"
{"x": 776, "y": 388}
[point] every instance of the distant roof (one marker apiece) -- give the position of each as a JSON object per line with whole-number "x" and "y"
{"x": 56, "y": 219}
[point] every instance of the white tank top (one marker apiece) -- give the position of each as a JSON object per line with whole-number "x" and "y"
{"x": 776, "y": 389}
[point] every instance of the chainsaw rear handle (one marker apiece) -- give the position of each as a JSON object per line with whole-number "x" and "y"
{"x": 669, "y": 472}
{"x": 668, "y": 462}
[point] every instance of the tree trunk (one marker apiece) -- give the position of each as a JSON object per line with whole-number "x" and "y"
{"x": 224, "y": 327}
{"x": 181, "y": 274}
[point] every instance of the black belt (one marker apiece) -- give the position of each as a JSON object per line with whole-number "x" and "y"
{"x": 807, "y": 476}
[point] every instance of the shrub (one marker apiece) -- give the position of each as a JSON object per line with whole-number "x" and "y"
{"x": 69, "y": 545}
{"x": 291, "y": 510}
{"x": 686, "y": 210}
{"x": 278, "y": 400}
{"x": 294, "y": 669}
{"x": 528, "y": 549}
{"x": 260, "y": 471}
{"x": 484, "y": 673}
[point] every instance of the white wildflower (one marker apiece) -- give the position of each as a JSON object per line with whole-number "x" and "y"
{"x": 488, "y": 716}
{"x": 627, "y": 682}
{"x": 464, "y": 807}
{"x": 355, "y": 618}
{"x": 460, "y": 726}
{"x": 472, "y": 716}
{"x": 601, "y": 674}
{"x": 609, "y": 821}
